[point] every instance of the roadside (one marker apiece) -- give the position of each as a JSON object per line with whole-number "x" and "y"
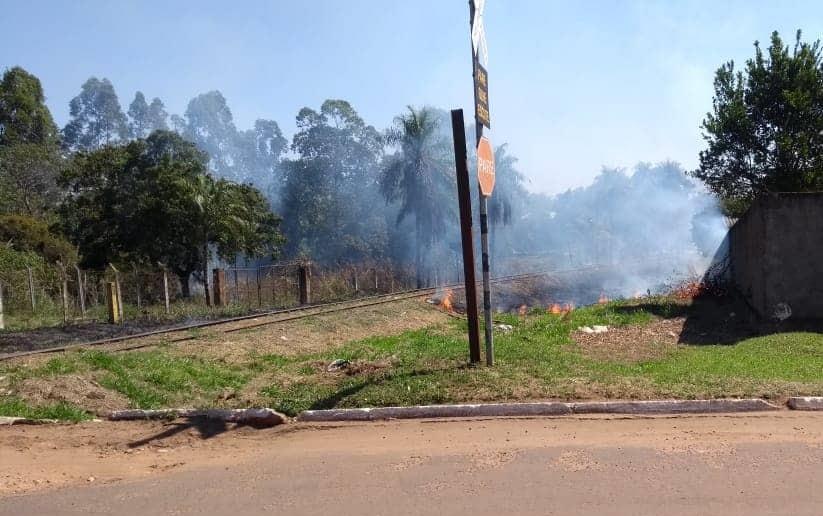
{"x": 729, "y": 464}
{"x": 411, "y": 353}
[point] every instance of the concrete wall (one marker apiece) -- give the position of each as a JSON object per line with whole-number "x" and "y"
{"x": 776, "y": 252}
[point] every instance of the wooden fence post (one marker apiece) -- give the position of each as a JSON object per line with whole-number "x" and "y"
{"x": 259, "y": 289}
{"x": 81, "y": 291}
{"x": 64, "y": 291}
{"x": 219, "y": 286}
{"x": 356, "y": 286}
{"x": 119, "y": 292}
{"x": 166, "y": 290}
{"x": 112, "y": 303}
{"x": 375, "y": 280}
{"x": 304, "y": 283}
{"x": 31, "y": 289}
{"x": 137, "y": 285}
{"x": 2, "y": 321}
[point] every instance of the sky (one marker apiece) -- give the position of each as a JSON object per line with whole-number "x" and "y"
{"x": 573, "y": 86}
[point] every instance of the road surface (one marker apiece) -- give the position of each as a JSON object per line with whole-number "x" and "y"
{"x": 730, "y": 465}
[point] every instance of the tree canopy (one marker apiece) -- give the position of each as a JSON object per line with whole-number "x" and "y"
{"x": 765, "y": 131}
{"x": 153, "y": 201}
{"x": 96, "y": 117}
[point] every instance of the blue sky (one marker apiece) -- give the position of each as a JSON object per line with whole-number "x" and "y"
{"x": 573, "y": 85}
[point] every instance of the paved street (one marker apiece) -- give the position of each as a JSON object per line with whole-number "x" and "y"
{"x": 730, "y": 465}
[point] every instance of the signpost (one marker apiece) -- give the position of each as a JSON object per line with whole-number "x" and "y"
{"x": 485, "y": 156}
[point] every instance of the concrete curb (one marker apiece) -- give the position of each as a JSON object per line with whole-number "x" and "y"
{"x": 8, "y": 421}
{"x": 806, "y": 403}
{"x": 550, "y": 408}
{"x": 260, "y": 417}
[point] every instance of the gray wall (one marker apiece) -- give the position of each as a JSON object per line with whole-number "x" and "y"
{"x": 776, "y": 252}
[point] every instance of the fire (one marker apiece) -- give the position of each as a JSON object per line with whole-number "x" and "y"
{"x": 446, "y": 302}
{"x": 602, "y": 300}
{"x": 557, "y": 308}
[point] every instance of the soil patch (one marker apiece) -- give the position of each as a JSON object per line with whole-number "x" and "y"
{"x": 634, "y": 343}
{"x": 77, "y": 390}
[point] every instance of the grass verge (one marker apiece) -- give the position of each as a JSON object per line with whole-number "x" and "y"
{"x": 538, "y": 359}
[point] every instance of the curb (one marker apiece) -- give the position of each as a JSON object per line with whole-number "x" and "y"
{"x": 259, "y": 417}
{"x": 8, "y": 421}
{"x": 805, "y": 403}
{"x": 550, "y": 408}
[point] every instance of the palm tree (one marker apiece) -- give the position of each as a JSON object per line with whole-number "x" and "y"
{"x": 417, "y": 177}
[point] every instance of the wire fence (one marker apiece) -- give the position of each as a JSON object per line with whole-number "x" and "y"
{"x": 53, "y": 294}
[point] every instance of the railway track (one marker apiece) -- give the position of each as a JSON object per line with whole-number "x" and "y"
{"x": 259, "y": 319}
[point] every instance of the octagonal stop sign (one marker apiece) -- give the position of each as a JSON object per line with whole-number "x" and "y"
{"x": 485, "y": 166}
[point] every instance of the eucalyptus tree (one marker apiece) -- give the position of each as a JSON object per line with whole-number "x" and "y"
{"x": 96, "y": 118}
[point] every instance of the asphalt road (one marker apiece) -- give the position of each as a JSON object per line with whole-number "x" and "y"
{"x": 730, "y": 465}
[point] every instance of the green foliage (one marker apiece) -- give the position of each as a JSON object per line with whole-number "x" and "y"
{"x": 329, "y": 189}
{"x": 29, "y": 159}
{"x": 11, "y": 260}
{"x": 28, "y": 234}
{"x": 765, "y": 132}
{"x": 146, "y": 118}
{"x": 96, "y": 117}
{"x": 418, "y": 178}
{"x": 153, "y": 201}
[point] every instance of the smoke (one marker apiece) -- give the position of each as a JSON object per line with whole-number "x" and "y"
{"x": 637, "y": 232}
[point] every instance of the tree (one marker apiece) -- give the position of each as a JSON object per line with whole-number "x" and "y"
{"x": 144, "y": 119}
{"x": 417, "y": 178}
{"x": 24, "y": 116}
{"x": 330, "y": 189}
{"x": 209, "y": 124}
{"x": 765, "y": 132}
{"x": 28, "y": 175}
{"x": 96, "y": 117}
{"x": 153, "y": 201}
{"x": 29, "y": 158}
{"x": 260, "y": 151}
{"x": 508, "y": 190}
{"x": 26, "y": 234}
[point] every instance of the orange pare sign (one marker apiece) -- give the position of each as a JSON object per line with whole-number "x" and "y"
{"x": 485, "y": 166}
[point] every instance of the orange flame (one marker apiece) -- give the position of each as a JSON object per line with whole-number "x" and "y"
{"x": 603, "y": 299}
{"x": 557, "y": 308}
{"x": 446, "y": 302}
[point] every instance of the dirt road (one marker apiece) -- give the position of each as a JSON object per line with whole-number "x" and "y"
{"x": 746, "y": 464}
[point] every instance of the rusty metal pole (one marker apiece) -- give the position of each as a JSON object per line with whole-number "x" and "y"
{"x": 464, "y": 200}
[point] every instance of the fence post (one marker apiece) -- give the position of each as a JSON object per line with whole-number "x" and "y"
{"x": 356, "y": 286}
{"x": 64, "y": 291}
{"x": 166, "y": 289}
{"x": 219, "y": 286}
{"x": 31, "y": 289}
{"x": 259, "y": 289}
{"x": 375, "y": 280}
{"x": 81, "y": 291}
{"x": 2, "y": 321}
{"x": 119, "y": 291}
{"x": 137, "y": 285}
{"x": 304, "y": 283}
{"x": 112, "y": 303}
